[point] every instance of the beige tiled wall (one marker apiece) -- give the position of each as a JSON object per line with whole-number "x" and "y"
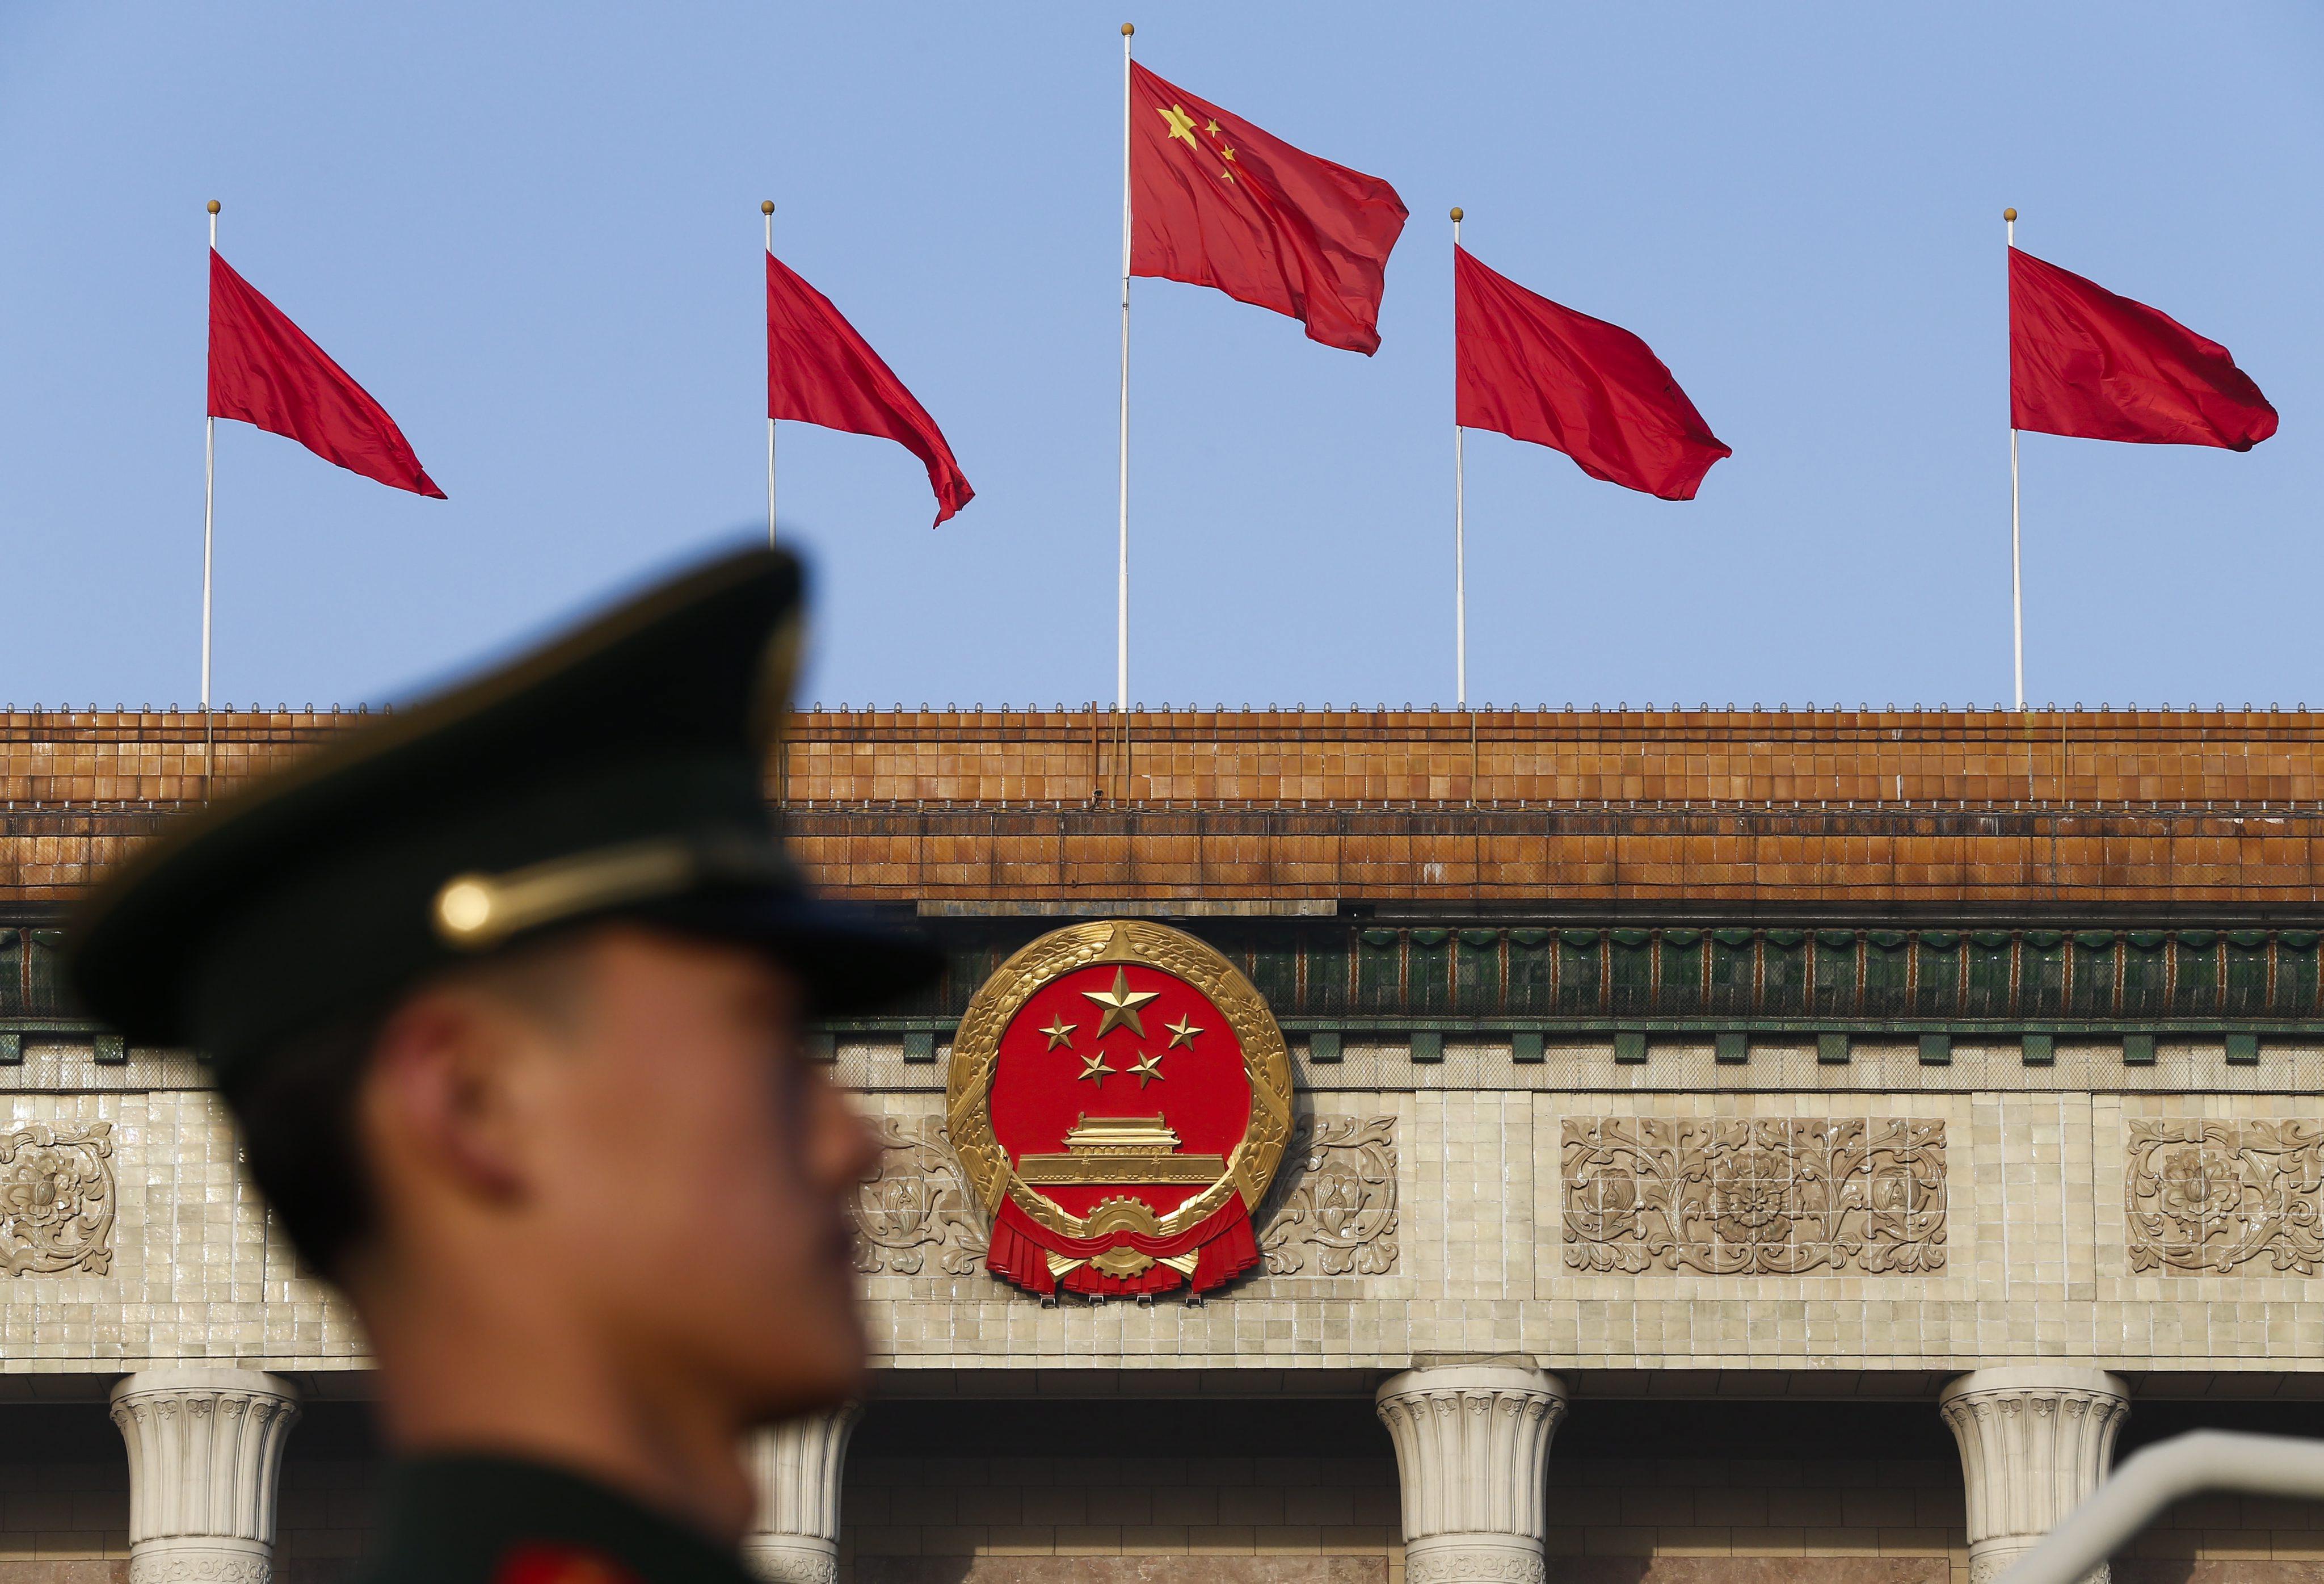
{"x": 2035, "y": 1264}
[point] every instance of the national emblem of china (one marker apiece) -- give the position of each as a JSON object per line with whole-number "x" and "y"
{"x": 1120, "y": 1097}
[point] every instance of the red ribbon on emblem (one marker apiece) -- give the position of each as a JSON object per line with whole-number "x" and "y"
{"x": 1222, "y": 1244}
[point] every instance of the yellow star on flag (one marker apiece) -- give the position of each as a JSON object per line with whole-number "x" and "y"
{"x": 1183, "y": 1033}
{"x": 1211, "y": 127}
{"x": 1121, "y": 1004}
{"x": 1060, "y": 1031}
{"x": 1095, "y": 1067}
{"x": 1182, "y": 125}
{"x": 1147, "y": 1067}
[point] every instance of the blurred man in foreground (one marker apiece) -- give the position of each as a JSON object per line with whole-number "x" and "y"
{"x": 506, "y": 995}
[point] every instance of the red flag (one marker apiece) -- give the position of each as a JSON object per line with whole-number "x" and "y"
{"x": 2085, "y": 362}
{"x": 266, "y": 371}
{"x": 1217, "y": 202}
{"x": 1528, "y": 367}
{"x": 820, "y": 371}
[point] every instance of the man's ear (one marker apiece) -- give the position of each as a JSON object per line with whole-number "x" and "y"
{"x": 446, "y": 1092}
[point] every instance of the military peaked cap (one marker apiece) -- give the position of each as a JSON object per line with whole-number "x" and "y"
{"x": 616, "y": 772}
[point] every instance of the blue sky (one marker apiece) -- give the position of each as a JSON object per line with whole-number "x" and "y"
{"x": 532, "y": 231}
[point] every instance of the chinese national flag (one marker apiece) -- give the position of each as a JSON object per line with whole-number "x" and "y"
{"x": 1214, "y": 201}
{"x": 820, "y": 371}
{"x": 2085, "y": 362}
{"x": 1529, "y": 368}
{"x": 266, "y": 371}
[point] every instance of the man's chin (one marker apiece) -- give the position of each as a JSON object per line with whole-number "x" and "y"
{"x": 808, "y": 1379}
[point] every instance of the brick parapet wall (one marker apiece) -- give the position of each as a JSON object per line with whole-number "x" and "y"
{"x": 1913, "y": 757}
{"x": 1564, "y": 756}
{"x": 1974, "y": 809}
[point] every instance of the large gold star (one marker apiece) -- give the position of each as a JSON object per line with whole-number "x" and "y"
{"x": 1060, "y": 1031}
{"x": 1121, "y": 1004}
{"x": 1183, "y": 1033}
{"x": 1182, "y": 125}
{"x": 1095, "y": 1066}
{"x": 1147, "y": 1068}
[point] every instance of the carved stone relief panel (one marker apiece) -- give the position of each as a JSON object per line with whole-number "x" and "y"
{"x": 1774, "y": 1196}
{"x": 2208, "y": 1197}
{"x": 56, "y": 1200}
{"x": 916, "y": 1207}
{"x": 1338, "y": 1211}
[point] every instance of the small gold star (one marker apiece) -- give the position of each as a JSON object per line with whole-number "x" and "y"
{"x": 1183, "y": 1033}
{"x": 1211, "y": 127}
{"x": 1095, "y": 1066}
{"x": 1147, "y": 1067}
{"x": 1226, "y": 175}
{"x": 1227, "y": 153}
{"x": 1060, "y": 1031}
{"x": 1121, "y": 1004}
{"x": 1182, "y": 125}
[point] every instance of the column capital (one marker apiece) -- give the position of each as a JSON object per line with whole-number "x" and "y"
{"x": 2036, "y": 1440}
{"x": 798, "y": 1467}
{"x": 205, "y": 1451}
{"x": 1471, "y": 1454}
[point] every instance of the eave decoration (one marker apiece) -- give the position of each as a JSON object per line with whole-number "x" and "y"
{"x": 1120, "y": 1097}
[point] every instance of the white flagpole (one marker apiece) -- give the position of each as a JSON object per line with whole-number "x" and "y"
{"x": 1121, "y": 591}
{"x": 1459, "y": 547}
{"x": 210, "y": 492}
{"x": 2016, "y": 576}
{"x": 767, "y": 211}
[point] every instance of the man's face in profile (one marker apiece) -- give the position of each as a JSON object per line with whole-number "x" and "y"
{"x": 693, "y": 1169}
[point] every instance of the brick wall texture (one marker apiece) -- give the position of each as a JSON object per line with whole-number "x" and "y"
{"x": 2215, "y": 808}
{"x": 1321, "y": 1519}
{"x": 2237, "y": 756}
{"x": 1683, "y": 1520}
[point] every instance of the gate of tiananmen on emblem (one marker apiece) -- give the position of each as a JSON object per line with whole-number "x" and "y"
{"x": 1120, "y": 1097}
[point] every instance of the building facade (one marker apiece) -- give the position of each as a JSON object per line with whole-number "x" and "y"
{"x": 1763, "y": 1146}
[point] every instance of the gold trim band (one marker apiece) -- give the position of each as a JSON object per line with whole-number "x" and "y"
{"x": 476, "y": 912}
{"x": 1085, "y": 1169}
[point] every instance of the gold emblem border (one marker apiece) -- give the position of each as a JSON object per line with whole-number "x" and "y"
{"x": 976, "y": 1051}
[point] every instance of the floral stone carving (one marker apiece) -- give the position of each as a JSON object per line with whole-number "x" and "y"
{"x": 56, "y": 1200}
{"x": 1341, "y": 1209}
{"x": 1773, "y": 1196}
{"x": 2205, "y": 1196}
{"x": 916, "y": 1206}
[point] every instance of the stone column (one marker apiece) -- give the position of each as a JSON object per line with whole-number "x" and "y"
{"x": 1471, "y": 1456}
{"x": 205, "y": 1453}
{"x": 2034, "y": 1441}
{"x": 797, "y": 1466}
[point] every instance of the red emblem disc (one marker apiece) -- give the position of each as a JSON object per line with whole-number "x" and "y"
{"x": 1120, "y": 1097}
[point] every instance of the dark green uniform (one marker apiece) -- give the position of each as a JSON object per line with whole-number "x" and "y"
{"x": 478, "y": 1520}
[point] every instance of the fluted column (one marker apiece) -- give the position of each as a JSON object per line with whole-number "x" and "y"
{"x": 1471, "y": 1456}
{"x": 2034, "y": 1441}
{"x": 797, "y": 1466}
{"x": 205, "y": 1455}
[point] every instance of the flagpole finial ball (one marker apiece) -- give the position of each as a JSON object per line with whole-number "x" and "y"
{"x": 766, "y": 205}
{"x": 212, "y": 206}
{"x": 2009, "y": 214}
{"x": 1128, "y": 28}
{"x": 1456, "y": 214}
